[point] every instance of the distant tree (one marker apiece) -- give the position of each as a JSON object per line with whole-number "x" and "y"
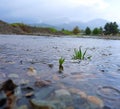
{"x": 96, "y": 31}
{"x": 100, "y": 30}
{"x": 62, "y": 29}
{"x": 87, "y": 31}
{"x": 76, "y": 30}
{"x": 111, "y": 28}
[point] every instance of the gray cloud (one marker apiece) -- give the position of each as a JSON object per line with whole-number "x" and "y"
{"x": 52, "y": 10}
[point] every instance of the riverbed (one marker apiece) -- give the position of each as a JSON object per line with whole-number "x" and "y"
{"x": 98, "y": 76}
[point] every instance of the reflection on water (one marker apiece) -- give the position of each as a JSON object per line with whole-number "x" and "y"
{"x": 19, "y": 53}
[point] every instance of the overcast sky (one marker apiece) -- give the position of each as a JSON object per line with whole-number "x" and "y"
{"x": 38, "y": 11}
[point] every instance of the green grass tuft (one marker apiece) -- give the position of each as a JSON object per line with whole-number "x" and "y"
{"x": 61, "y": 61}
{"x": 79, "y": 54}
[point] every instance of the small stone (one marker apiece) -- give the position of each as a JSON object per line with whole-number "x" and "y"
{"x": 62, "y": 86}
{"x": 31, "y": 71}
{"x": 42, "y": 83}
{"x": 36, "y": 104}
{"x": 12, "y": 102}
{"x": 56, "y": 78}
{"x": 96, "y": 101}
{"x": 50, "y": 65}
{"x": 13, "y": 75}
{"x": 10, "y": 62}
{"x": 79, "y": 92}
{"x": 29, "y": 94}
{"x": 62, "y": 92}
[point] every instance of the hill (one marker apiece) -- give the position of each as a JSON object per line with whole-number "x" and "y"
{"x": 6, "y": 28}
{"x": 19, "y": 28}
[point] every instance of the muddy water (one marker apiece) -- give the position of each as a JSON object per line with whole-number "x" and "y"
{"x": 99, "y": 76}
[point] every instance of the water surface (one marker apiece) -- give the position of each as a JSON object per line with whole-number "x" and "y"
{"x": 99, "y": 76}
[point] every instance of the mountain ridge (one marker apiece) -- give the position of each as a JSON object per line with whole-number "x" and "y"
{"x": 82, "y": 25}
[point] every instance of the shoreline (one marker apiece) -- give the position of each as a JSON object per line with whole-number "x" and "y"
{"x": 73, "y": 36}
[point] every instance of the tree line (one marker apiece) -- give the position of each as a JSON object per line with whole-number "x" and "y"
{"x": 109, "y": 29}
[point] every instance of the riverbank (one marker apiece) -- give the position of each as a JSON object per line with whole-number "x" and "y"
{"x": 100, "y": 37}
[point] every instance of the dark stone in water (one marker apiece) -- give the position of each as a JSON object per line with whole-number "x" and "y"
{"x": 8, "y": 86}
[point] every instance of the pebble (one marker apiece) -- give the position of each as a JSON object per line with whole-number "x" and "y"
{"x": 31, "y": 71}
{"x": 93, "y": 100}
{"x": 62, "y": 92}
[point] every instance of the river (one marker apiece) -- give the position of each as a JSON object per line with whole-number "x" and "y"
{"x": 99, "y": 76}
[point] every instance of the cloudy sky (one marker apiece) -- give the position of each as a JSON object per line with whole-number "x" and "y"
{"x": 38, "y": 11}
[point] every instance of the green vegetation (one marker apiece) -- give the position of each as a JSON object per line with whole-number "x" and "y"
{"x": 79, "y": 54}
{"x": 96, "y": 31}
{"x": 100, "y": 30}
{"x": 66, "y": 32}
{"x": 76, "y": 30}
{"x": 53, "y": 30}
{"x": 61, "y": 61}
{"x": 18, "y": 24}
{"x": 111, "y": 28}
{"x": 87, "y": 31}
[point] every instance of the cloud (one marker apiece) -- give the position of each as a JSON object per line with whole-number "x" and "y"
{"x": 49, "y": 10}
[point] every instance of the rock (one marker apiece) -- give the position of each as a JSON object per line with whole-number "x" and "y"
{"x": 58, "y": 104}
{"x": 62, "y": 86}
{"x": 8, "y": 86}
{"x": 10, "y": 62}
{"x": 18, "y": 92}
{"x": 11, "y": 102}
{"x": 56, "y": 78}
{"x": 95, "y": 102}
{"x": 41, "y": 104}
{"x": 44, "y": 93}
{"x": 23, "y": 107}
{"x": 29, "y": 94}
{"x": 62, "y": 92}
{"x": 31, "y": 71}
{"x": 50, "y": 65}
{"x": 63, "y": 95}
{"x": 79, "y": 92}
{"x": 13, "y": 75}
{"x": 42, "y": 83}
